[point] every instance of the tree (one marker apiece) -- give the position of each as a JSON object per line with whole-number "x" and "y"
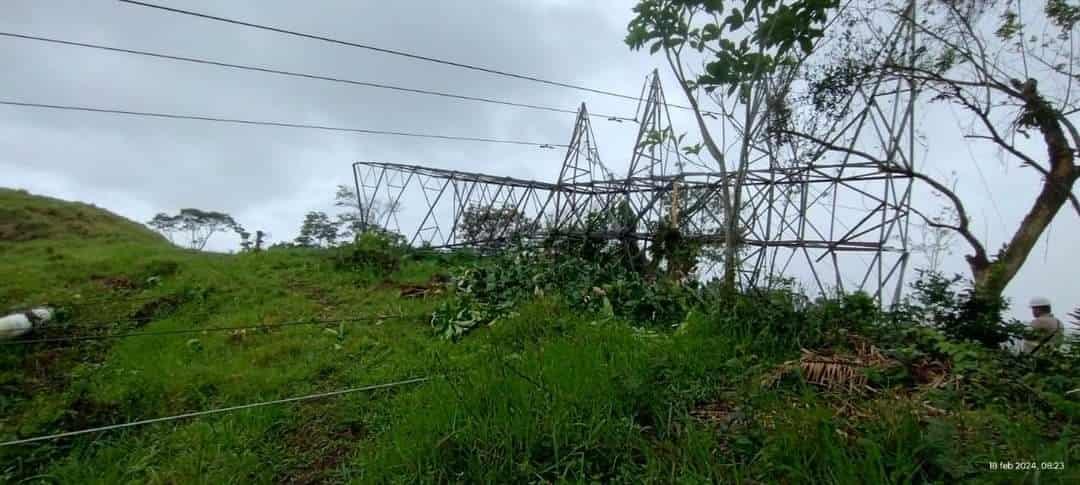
{"x": 245, "y": 239}
{"x": 754, "y": 72}
{"x": 260, "y": 240}
{"x": 354, "y": 221}
{"x": 1011, "y": 69}
{"x": 165, "y": 224}
{"x": 246, "y": 244}
{"x": 480, "y": 224}
{"x": 317, "y": 230}
{"x": 197, "y": 225}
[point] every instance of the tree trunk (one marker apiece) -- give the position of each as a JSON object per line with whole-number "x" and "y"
{"x": 731, "y": 247}
{"x": 991, "y": 277}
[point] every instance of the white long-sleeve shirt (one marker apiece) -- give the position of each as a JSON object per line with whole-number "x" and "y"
{"x": 1046, "y": 327}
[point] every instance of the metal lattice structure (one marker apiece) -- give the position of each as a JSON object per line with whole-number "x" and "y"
{"x": 792, "y": 220}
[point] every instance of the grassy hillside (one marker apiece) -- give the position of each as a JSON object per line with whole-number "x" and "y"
{"x": 561, "y": 372}
{"x": 111, "y": 276}
{"x": 27, "y": 217}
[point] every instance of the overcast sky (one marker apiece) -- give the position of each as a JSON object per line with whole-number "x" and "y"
{"x": 267, "y": 178}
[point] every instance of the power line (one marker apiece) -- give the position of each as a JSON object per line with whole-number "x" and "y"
{"x": 390, "y": 51}
{"x": 74, "y": 338}
{"x": 195, "y": 414}
{"x": 274, "y": 123}
{"x": 304, "y": 75}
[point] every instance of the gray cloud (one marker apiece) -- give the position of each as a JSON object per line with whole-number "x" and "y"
{"x": 168, "y": 164}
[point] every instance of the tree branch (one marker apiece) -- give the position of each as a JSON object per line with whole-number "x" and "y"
{"x": 980, "y": 258}
{"x": 676, "y": 66}
{"x": 1071, "y": 129}
{"x": 995, "y": 136}
{"x": 930, "y": 221}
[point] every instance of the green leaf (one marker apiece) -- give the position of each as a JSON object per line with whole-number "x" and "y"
{"x": 735, "y": 20}
{"x": 655, "y": 47}
{"x": 693, "y": 149}
{"x": 749, "y": 7}
{"x": 710, "y": 32}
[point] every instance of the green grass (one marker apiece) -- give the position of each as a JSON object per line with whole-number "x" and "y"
{"x": 26, "y": 217}
{"x": 547, "y": 395}
{"x": 100, "y": 382}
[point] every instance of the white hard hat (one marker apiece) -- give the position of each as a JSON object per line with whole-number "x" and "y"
{"x": 1039, "y": 301}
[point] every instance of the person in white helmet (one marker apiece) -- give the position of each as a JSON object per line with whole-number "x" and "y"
{"x": 1046, "y": 330}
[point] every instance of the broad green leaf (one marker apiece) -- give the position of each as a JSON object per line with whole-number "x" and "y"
{"x": 735, "y": 20}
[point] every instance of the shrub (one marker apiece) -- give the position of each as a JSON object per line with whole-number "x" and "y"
{"x": 781, "y": 320}
{"x": 377, "y": 250}
{"x": 488, "y": 290}
{"x": 960, "y": 314}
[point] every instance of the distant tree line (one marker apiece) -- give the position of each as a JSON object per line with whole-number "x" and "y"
{"x": 194, "y": 228}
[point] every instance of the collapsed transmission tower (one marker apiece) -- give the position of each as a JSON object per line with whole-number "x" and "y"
{"x": 839, "y": 223}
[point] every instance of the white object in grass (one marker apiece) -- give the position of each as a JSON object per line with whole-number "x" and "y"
{"x": 17, "y": 324}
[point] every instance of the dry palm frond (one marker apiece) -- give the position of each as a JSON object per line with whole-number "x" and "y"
{"x": 832, "y": 371}
{"x": 867, "y": 353}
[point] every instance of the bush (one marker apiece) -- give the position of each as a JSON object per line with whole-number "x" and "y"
{"x": 489, "y": 290}
{"x": 960, "y": 314}
{"x": 779, "y": 321}
{"x": 377, "y": 250}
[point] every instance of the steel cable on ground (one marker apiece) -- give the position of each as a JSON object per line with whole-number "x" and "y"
{"x": 144, "y": 299}
{"x": 294, "y": 323}
{"x": 194, "y": 414}
{"x": 106, "y": 323}
{"x": 62, "y": 301}
{"x": 273, "y": 123}
{"x": 94, "y": 324}
{"x": 305, "y": 75}
{"x": 384, "y": 50}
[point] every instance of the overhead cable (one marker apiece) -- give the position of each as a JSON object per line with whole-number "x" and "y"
{"x": 304, "y": 75}
{"x": 274, "y": 123}
{"x": 385, "y": 50}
